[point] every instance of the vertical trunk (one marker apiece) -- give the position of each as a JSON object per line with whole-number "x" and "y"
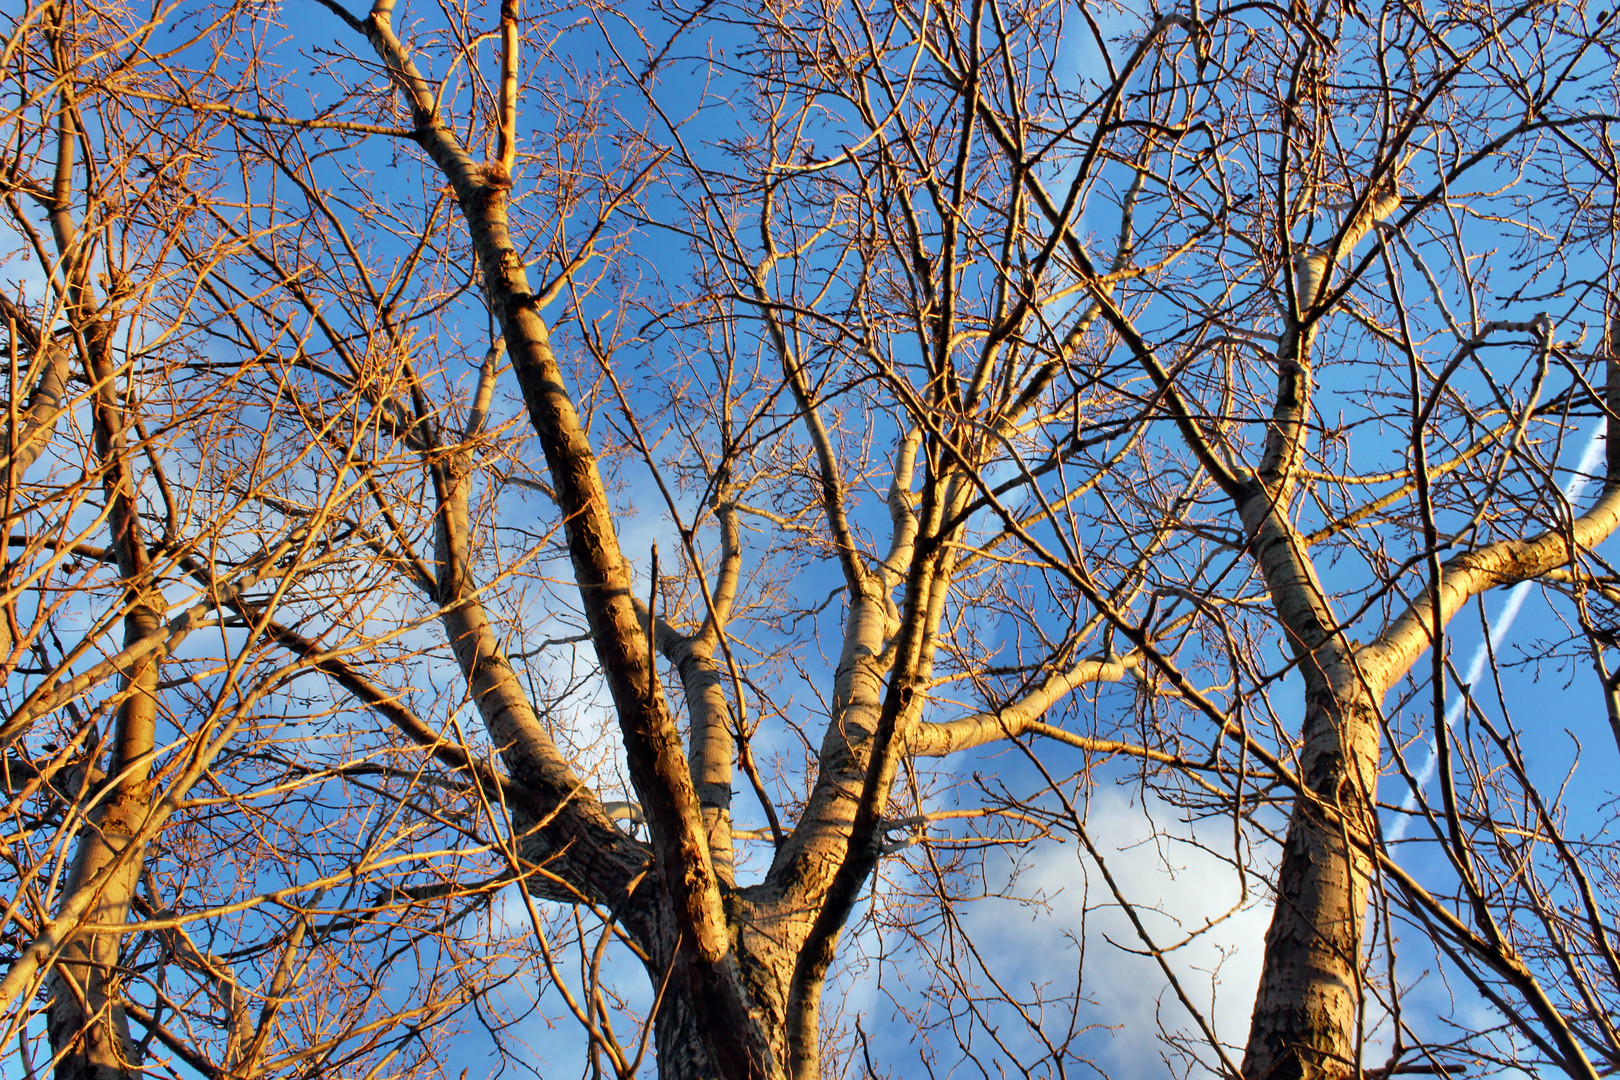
{"x": 767, "y": 928}
{"x": 683, "y": 1052}
{"x": 89, "y": 1037}
{"x": 1305, "y": 1012}
{"x": 88, "y": 1030}
{"x": 1305, "y": 1021}
{"x": 1306, "y": 1009}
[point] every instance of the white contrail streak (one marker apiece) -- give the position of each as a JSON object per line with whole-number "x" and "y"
{"x": 1497, "y": 634}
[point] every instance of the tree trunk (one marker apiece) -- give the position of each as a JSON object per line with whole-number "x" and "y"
{"x": 767, "y": 930}
{"x": 88, "y": 1030}
{"x": 683, "y": 1052}
{"x": 1305, "y": 1012}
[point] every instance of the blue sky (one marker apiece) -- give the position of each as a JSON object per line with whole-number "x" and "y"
{"x": 1065, "y": 910}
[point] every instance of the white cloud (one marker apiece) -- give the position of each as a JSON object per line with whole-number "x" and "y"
{"x": 1190, "y": 902}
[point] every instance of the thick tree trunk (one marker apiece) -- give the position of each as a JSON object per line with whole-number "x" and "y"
{"x": 88, "y": 1030}
{"x": 767, "y": 930}
{"x": 1305, "y": 1013}
{"x": 683, "y": 1052}
{"x": 1306, "y": 1009}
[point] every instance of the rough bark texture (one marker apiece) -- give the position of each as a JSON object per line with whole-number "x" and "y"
{"x": 88, "y": 1030}
{"x": 1306, "y": 1008}
{"x": 1305, "y": 1013}
{"x": 1306, "y": 1020}
{"x": 87, "y": 1027}
{"x": 697, "y": 941}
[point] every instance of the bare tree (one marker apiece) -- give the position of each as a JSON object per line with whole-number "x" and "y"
{"x": 1075, "y": 387}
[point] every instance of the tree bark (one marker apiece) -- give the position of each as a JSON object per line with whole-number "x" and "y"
{"x": 1305, "y": 1014}
{"x": 89, "y": 1032}
{"x": 1305, "y": 1022}
{"x": 87, "y": 1027}
{"x": 767, "y": 931}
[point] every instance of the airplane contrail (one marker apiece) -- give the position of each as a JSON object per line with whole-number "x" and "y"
{"x": 1497, "y": 634}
